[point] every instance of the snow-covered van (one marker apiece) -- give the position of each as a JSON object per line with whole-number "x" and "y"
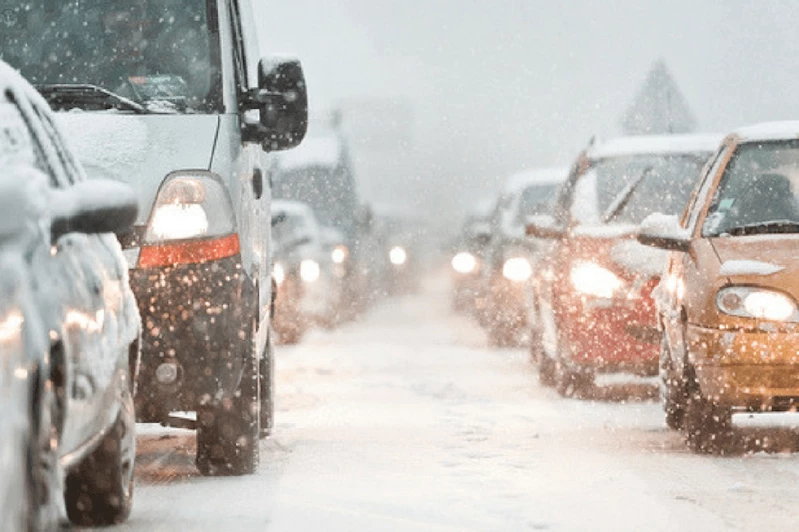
{"x": 172, "y": 97}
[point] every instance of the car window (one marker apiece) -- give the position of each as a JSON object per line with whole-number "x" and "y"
{"x": 759, "y": 188}
{"x": 698, "y": 201}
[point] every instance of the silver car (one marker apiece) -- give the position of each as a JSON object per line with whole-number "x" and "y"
{"x": 69, "y": 327}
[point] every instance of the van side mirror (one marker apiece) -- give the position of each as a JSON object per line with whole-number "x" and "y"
{"x": 282, "y": 100}
{"x": 664, "y": 232}
{"x": 94, "y": 206}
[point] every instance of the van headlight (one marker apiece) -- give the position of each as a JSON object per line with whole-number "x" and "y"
{"x": 517, "y": 269}
{"x": 591, "y": 279}
{"x": 309, "y": 271}
{"x": 757, "y": 303}
{"x": 190, "y": 205}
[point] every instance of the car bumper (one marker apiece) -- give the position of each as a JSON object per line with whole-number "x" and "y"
{"x": 198, "y": 318}
{"x": 611, "y": 336}
{"x": 747, "y": 369}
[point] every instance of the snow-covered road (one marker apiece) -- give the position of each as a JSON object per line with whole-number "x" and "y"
{"x": 408, "y": 421}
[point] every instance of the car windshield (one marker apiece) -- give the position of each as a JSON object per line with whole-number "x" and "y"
{"x": 536, "y": 200}
{"x": 154, "y": 52}
{"x": 759, "y": 192}
{"x": 636, "y": 187}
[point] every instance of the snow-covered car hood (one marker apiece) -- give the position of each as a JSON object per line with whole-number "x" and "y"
{"x": 140, "y": 150}
{"x": 766, "y": 260}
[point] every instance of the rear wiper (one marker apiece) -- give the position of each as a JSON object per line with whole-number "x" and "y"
{"x": 623, "y": 198}
{"x": 64, "y": 96}
{"x": 770, "y": 227}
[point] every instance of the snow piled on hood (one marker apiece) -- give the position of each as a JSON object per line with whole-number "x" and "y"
{"x": 605, "y": 230}
{"x": 639, "y": 259}
{"x": 748, "y": 267}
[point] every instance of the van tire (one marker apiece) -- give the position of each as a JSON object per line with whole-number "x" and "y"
{"x": 228, "y": 430}
{"x": 99, "y": 490}
{"x": 266, "y": 374}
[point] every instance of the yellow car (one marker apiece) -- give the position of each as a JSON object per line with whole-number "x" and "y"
{"x": 727, "y": 304}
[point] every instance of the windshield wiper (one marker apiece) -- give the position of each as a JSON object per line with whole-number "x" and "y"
{"x": 623, "y": 198}
{"x": 770, "y": 227}
{"x": 65, "y": 96}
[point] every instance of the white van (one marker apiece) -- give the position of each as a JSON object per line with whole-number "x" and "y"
{"x": 172, "y": 97}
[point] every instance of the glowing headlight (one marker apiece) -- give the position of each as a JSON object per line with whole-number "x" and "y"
{"x": 464, "y": 262}
{"x": 517, "y": 269}
{"x": 398, "y": 256}
{"x": 758, "y": 303}
{"x": 278, "y": 273}
{"x": 593, "y": 280}
{"x": 11, "y": 327}
{"x": 174, "y": 221}
{"x": 340, "y": 254}
{"x": 309, "y": 270}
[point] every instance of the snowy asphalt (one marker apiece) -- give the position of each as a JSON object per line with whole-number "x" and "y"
{"x": 407, "y": 420}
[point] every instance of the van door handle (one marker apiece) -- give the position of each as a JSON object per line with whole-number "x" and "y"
{"x": 258, "y": 183}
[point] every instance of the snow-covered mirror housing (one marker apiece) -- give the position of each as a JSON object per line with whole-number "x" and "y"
{"x": 544, "y": 226}
{"x": 96, "y": 206}
{"x": 665, "y": 232}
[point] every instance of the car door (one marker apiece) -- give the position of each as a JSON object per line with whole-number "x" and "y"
{"x": 77, "y": 277}
{"x": 682, "y": 267}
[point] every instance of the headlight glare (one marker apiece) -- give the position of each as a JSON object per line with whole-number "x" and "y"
{"x": 398, "y": 256}
{"x": 591, "y": 279}
{"x": 309, "y": 270}
{"x": 340, "y": 254}
{"x": 278, "y": 273}
{"x": 757, "y": 303}
{"x": 464, "y": 262}
{"x": 517, "y": 269}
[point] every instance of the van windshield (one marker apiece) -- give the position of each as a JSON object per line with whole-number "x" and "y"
{"x": 160, "y": 53}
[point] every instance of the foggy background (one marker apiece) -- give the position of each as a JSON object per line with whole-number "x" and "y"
{"x": 477, "y": 89}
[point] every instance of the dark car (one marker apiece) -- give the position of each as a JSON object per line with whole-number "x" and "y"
{"x": 69, "y": 327}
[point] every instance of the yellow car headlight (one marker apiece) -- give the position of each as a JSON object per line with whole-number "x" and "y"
{"x": 757, "y": 303}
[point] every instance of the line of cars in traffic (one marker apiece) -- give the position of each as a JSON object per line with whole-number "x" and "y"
{"x": 136, "y": 263}
{"x": 670, "y": 256}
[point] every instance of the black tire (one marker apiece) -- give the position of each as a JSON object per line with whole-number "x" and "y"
{"x": 41, "y": 512}
{"x": 572, "y": 382}
{"x": 266, "y": 374}
{"x": 99, "y": 490}
{"x": 547, "y": 369}
{"x": 708, "y": 426}
{"x": 228, "y": 431}
{"x": 672, "y": 391}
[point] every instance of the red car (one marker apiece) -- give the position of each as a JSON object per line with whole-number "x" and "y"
{"x": 594, "y": 308}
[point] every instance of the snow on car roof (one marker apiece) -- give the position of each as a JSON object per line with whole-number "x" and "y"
{"x": 654, "y": 144}
{"x": 314, "y": 151}
{"x": 783, "y": 130}
{"x": 542, "y": 176}
{"x": 12, "y": 79}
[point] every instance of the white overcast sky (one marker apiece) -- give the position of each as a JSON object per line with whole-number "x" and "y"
{"x": 499, "y": 85}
